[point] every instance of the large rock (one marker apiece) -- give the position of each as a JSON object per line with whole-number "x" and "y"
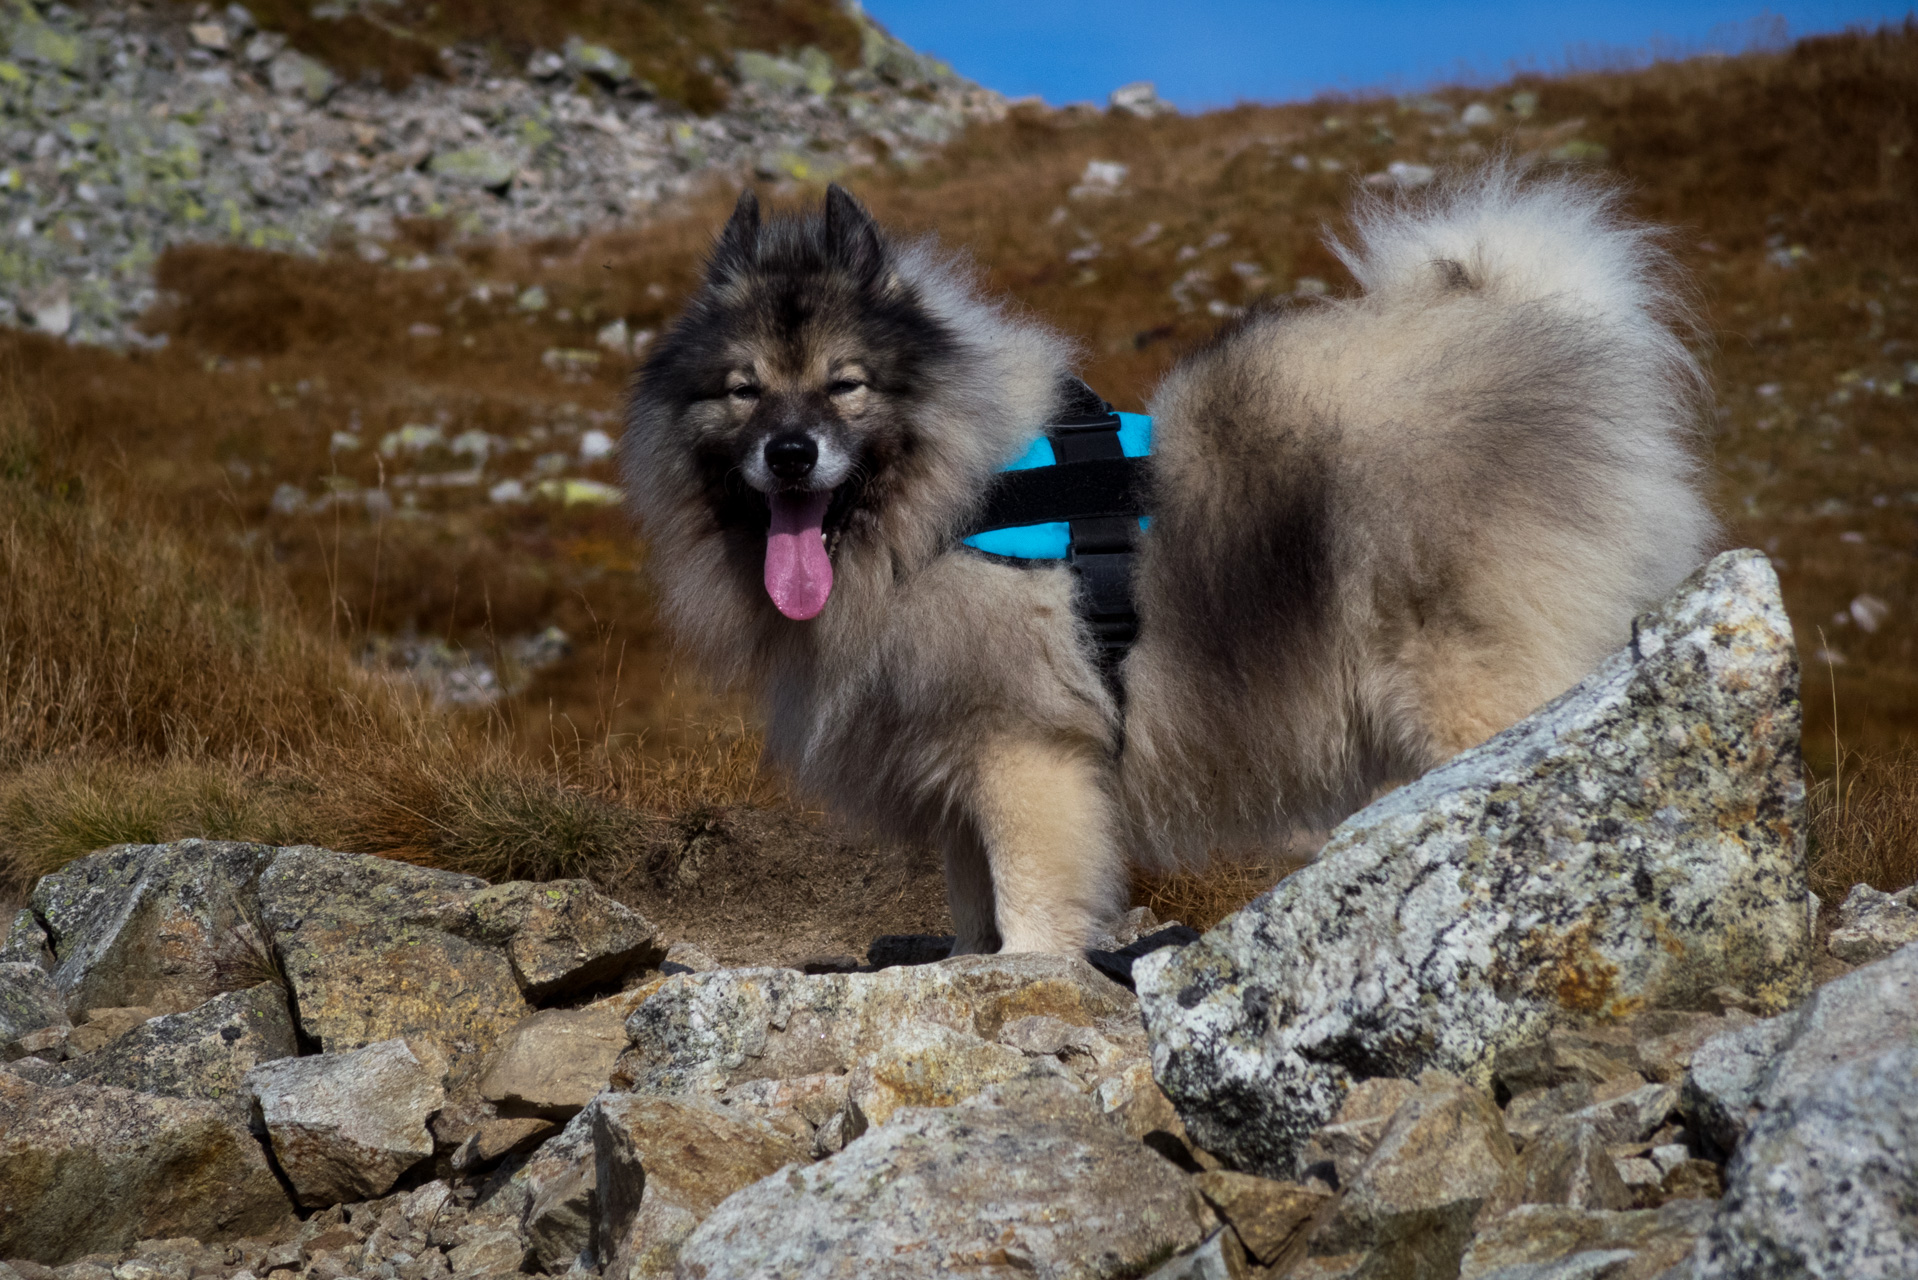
{"x": 164, "y": 926}
{"x": 663, "y": 1165}
{"x": 1021, "y": 1178}
{"x": 29, "y": 1002}
{"x": 365, "y": 946}
{"x": 921, "y": 1036}
{"x": 1872, "y": 925}
{"x": 345, "y": 1126}
{"x": 203, "y": 1053}
{"x": 1637, "y": 842}
{"x": 1826, "y": 1183}
{"x": 88, "y": 1170}
{"x": 1738, "y": 1076}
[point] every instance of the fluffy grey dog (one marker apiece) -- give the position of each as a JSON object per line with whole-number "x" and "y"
{"x": 1383, "y": 529}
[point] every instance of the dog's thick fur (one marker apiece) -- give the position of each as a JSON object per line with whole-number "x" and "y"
{"x": 1384, "y": 528}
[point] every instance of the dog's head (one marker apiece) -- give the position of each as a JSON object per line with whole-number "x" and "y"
{"x": 798, "y": 378}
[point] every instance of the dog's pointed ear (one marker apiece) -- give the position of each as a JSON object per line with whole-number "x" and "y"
{"x": 739, "y": 243}
{"x": 852, "y": 238}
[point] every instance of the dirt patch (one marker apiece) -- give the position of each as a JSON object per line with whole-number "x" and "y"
{"x": 771, "y": 886}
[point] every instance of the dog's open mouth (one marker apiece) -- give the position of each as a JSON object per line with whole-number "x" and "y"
{"x": 798, "y": 566}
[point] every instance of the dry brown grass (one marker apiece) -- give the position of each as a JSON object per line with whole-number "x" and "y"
{"x": 1864, "y": 825}
{"x": 120, "y": 638}
{"x": 182, "y": 450}
{"x": 1203, "y": 898}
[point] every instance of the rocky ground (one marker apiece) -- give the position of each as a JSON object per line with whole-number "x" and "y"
{"x": 1556, "y": 1012}
{"x": 128, "y": 130}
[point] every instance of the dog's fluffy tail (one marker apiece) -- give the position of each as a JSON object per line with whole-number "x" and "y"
{"x": 1559, "y": 249}
{"x": 1523, "y": 238}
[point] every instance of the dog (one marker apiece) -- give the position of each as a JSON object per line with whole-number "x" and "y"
{"x": 1383, "y": 528}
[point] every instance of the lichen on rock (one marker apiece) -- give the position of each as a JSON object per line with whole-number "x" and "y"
{"x": 1636, "y": 843}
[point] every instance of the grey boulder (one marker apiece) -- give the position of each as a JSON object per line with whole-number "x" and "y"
{"x": 1826, "y": 1183}
{"x": 1022, "y": 1178}
{"x": 162, "y": 926}
{"x": 1738, "y": 1076}
{"x": 89, "y": 1170}
{"x": 363, "y": 947}
{"x": 345, "y": 1126}
{"x": 1637, "y": 842}
{"x": 204, "y": 1053}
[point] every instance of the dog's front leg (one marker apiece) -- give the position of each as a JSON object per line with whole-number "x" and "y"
{"x": 1045, "y": 817}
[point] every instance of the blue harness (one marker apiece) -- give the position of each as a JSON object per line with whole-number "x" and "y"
{"x": 1052, "y": 540}
{"x": 1078, "y": 496}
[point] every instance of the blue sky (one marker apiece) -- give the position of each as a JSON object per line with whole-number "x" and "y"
{"x": 1215, "y": 52}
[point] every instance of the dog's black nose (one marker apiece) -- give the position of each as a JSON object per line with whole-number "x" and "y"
{"x": 792, "y": 456}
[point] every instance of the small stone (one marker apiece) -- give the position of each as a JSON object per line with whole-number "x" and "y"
{"x": 1567, "y": 1164}
{"x": 563, "y": 936}
{"x": 1140, "y": 98}
{"x": 1270, "y": 1217}
{"x": 475, "y": 166}
{"x": 1639, "y": 1176}
{"x": 1477, "y": 116}
{"x": 555, "y": 1061}
{"x": 490, "y": 1251}
{"x": 1692, "y": 1180}
{"x": 1589, "y": 1056}
{"x": 345, "y": 1126}
{"x": 1872, "y": 925}
{"x": 1444, "y": 1156}
{"x": 1538, "y": 1235}
{"x": 103, "y": 1026}
{"x": 1673, "y": 1153}
{"x": 598, "y": 61}
{"x": 493, "y": 1140}
{"x": 663, "y": 1165}
{"x": 1221, "y": 1257}
{"x": 293, "y": 74}
{"x": 1630, "y": 1117}
{"x": 1528, "y": 1113}
{"x": 208, "y": 35}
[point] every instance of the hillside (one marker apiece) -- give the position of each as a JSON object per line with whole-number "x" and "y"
{"x": 400, "y": 437}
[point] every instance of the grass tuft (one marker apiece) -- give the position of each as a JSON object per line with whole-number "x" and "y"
{"x": 1864, "y": 825}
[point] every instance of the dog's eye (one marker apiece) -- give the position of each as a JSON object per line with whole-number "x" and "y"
{"x": 844, "y": 387}
{"x": 744, "y": 391}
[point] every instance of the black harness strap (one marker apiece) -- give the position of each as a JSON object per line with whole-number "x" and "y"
{"x": 1101, "y": 494}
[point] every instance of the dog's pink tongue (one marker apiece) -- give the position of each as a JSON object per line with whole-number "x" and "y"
{"x": 798, "y": 571}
